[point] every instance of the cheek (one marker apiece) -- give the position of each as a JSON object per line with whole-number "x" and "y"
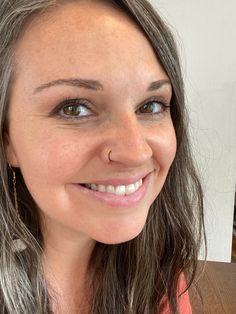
{"x": 44, "y": 157}
{"x": 164, "y": 148}
{"x": 63, "y": 156}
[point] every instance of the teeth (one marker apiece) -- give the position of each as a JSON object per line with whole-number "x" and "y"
{"x": 118, "y": 190}
{"x": 131, "y": 188}
{"x": 136, "y": 185}
{"x": 101, "y": 188}
{"x": 93, "y": 187}
{"x": 109, "y": 189}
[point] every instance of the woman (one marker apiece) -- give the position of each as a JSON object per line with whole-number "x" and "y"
{"x": 101, "y": 209}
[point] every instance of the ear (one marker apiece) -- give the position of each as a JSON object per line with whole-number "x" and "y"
{"x": 10, "y": 152}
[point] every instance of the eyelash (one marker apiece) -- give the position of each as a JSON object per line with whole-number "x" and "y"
{"x": 77, "y": 102}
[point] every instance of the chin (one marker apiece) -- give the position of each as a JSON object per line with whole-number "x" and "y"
{"x": 119, "y": 236}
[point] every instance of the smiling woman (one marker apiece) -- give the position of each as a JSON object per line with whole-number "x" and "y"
{"x": 101, "y": 208}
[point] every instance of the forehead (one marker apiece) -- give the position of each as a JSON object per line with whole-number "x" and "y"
{"x": 88, "y": 39}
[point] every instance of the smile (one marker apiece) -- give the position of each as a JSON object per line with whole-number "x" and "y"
{"x": 115, "y": 194}
{"x": 117, "y": 190}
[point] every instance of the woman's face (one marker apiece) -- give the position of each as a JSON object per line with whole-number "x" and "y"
{"x": 87, "y": 82}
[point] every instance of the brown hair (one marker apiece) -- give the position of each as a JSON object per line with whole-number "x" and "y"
{"x": 130, "y": 277}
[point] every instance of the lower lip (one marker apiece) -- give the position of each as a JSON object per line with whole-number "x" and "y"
{"x": 114, "y": 200}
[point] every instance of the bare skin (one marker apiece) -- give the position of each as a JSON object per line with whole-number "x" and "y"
{"x": 91, "y": 40}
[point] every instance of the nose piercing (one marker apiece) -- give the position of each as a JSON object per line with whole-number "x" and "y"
{"x": 109, "y": 156}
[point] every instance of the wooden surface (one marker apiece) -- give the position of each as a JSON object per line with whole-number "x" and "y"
{"x": 234, "y": 248}
{"x": 217, "y": 286}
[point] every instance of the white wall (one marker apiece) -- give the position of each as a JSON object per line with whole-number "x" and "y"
{"x": 206, "y": 34}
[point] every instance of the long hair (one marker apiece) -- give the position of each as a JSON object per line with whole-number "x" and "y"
{"x": 131, "y": 277}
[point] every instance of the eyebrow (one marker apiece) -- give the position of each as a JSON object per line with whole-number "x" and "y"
{"x": 91, "y": 84}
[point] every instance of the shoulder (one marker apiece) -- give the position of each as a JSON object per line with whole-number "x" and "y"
{"x": 183, "y": 299}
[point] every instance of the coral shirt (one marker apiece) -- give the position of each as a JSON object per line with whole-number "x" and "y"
{"x": 184, "y": 301}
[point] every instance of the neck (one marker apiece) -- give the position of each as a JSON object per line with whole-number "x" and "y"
{"x": 65, "y": 264}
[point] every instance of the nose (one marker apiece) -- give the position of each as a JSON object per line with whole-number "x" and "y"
{"x": 128, "y": 143}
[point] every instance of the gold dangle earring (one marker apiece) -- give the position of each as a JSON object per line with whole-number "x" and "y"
{"x": 14, "y": 190}
{"x": 18, "y": 244}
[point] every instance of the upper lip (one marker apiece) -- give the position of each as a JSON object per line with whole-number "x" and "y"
{"x": 121, "y": 181}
